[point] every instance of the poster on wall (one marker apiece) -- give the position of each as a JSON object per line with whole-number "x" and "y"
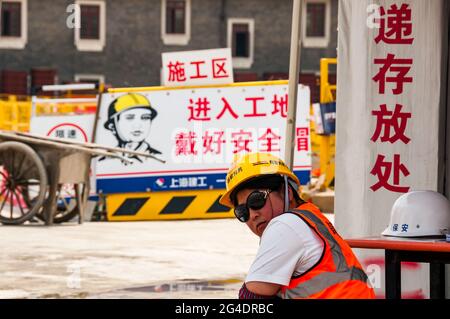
{"x": 78, "y": 128}
{"x": 197, "y": 133}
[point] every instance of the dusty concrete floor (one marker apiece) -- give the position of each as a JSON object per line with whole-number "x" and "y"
{"x": 162, "y": 259}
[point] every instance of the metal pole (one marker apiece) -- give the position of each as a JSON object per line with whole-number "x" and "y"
{"x": 101, "y": 90}
{"x": 66, "y": 87}
{"x": 294, "y": 70}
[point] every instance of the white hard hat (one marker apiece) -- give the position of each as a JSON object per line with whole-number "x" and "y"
{"x": 419, "y": 213}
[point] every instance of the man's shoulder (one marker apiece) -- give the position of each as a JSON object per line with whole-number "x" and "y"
{"x": 287, "y": 218}
{"x": 286, "y": 222}
{"x": 289, "y": 232}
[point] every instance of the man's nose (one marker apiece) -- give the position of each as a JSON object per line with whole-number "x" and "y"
{"x": 254, "y": 213}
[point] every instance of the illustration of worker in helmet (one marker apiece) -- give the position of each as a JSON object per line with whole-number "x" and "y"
{"x": 129, "y": 118}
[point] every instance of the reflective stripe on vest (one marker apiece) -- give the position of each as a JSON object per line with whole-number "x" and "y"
{"x": 336, "y": 252}
{"x": 325, "y": 279}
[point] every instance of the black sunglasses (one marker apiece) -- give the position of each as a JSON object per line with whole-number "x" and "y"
{"x": 256, "y": 200}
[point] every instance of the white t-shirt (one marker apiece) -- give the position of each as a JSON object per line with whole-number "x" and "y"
{"x": 288, "y": 247}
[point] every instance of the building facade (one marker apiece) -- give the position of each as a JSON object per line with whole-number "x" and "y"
{"x": 120, "y": 42}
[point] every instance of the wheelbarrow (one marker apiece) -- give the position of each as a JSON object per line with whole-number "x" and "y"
{"x": 34, "y": 170}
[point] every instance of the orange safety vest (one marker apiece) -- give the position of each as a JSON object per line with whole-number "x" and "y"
{"x": 337, "y": 274}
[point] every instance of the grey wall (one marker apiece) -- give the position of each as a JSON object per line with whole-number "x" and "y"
{"x": 132, "y": 55}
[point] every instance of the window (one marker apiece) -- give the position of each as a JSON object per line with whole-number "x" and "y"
{"x": 316, "y": 23}
{"x": 315, "y": 17}
{"x": 175, "y": 21}
{"x": 175, "y": 16}
{"x": 91, "y": 34}
{"x": 90, "y": 18}
{"x": 10, "y": 19}
{"x": 13, "y": 24}
{"x": 240, "y": 38}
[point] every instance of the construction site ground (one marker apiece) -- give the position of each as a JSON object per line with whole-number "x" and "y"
{"x": 154, "y": 259}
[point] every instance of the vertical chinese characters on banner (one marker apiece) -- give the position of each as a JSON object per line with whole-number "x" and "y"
{"x": 395, "y": 28}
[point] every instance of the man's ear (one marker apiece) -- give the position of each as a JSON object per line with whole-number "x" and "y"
{"x": 290, "y": 193}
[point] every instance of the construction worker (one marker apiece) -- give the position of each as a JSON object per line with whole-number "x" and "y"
{"x": 300, "y": 254}
{"x": 129, "y": 119}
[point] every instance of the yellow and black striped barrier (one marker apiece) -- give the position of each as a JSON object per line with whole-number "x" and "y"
{"x": 166, "y": 206}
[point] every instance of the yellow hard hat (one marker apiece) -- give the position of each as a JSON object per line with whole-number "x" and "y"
{"x": 130, "y": 100}
{"x": 252, "y": 165}
{"x": 126, "y": 102}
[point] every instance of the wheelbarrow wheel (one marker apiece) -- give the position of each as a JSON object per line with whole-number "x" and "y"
{"x": 23, "y": 183}
{"x": 66, "y": 205}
